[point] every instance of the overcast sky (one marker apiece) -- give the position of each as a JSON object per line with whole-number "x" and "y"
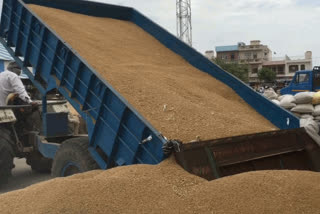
{"x": 287, "y": 26}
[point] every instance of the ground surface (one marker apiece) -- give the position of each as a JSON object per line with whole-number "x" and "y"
{"x": 23, "y": 176}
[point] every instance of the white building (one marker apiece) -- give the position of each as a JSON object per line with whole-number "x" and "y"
{"x": 286, "y": 67}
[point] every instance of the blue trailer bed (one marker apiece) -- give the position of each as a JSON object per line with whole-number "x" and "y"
{"x": 118, "y": 134}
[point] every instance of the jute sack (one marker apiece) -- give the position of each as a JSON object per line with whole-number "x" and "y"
{"x": 311, "y": 124}
{"x": 270, "y": 94}
{"x": 304, "y": 97}
{"x": 316, "y": 111}
{"x": 288, "y": 101}
{"x": 306, "y": 116}
{"x": 281, "y": 97}
{"x": 276, "y": 102}
{"x": 303, "y": 108}
{"x": 316, "y": 98}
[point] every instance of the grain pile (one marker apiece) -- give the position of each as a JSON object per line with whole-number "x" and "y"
{"x": 176, "y": 98}
{"x": 167, "y": 188}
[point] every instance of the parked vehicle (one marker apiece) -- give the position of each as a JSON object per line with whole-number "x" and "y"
{"x": 307, "y": 80}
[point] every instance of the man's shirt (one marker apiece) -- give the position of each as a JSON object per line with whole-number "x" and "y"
{"x": 11, "y": 83}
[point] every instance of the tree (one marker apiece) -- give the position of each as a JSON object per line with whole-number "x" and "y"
{"x": 266, "y": 75}
{"x": 239, "y": 70}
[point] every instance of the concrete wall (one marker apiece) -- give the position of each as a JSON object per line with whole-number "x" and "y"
{"x": 227, "y": 56}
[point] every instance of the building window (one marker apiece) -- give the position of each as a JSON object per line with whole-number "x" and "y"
{"x": 293, "y": 68}
{"x": 254, "y": 70}
{"x": 302, "y": 67}
{"x": 232, "y": 56}
{"x": 280, "y": 69}
{"x": 255, "y": 56}
{"x": 300, "y": 78}
{"x": 247, "y": 55}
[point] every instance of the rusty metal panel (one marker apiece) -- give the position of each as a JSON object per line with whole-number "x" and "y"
{"x": 284, "y": 149}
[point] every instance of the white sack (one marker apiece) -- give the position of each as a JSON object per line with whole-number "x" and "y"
{"x": 288, "y": 101}
{"x": 312, "y": 128}
{"x": 276, "y": 102}
{"x": 304, "y": 97}
{"x": 270, "y": 94}
{"x": 316, "y": 111}
{"x": 281, "y": 97}
{"x": 306, "y": 116}
{"x": 303, "y": 108}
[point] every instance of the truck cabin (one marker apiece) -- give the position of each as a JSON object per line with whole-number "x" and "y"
{"x": 307, "y": 80}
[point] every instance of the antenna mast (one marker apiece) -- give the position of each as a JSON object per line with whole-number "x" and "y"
{"x": 184, "y": 27}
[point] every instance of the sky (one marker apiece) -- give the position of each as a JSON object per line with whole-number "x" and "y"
{"x": 288, "y": 27}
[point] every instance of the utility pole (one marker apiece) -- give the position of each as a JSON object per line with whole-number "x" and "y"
{"x": 184, "y": 27}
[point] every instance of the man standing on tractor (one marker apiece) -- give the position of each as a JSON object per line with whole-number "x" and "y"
{"x": 10, "y": 82}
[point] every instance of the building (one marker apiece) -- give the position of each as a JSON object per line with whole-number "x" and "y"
{"x": 209, "y": 54}
{"x": 5, "y": 58}
{"x": 228, "y": 53}
{"x": 257, "y": 56}
{"x": 287, "y": 67}
{"x": 254, "y": 55}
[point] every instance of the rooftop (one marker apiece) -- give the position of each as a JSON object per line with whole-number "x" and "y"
{"x": 227, "y": 48}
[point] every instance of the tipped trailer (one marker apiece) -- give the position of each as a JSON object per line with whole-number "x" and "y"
{"x": 118, "y": 134}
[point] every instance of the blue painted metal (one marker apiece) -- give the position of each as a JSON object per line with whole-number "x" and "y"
{"x": 56, "y": 124}
{"x": 48, "y": 150}
{"x": 1, "y": 65}
{"x": 69, "y": 164}
{"x": 4, "y": 55}
{"x": 227, "y": 48}
{"x": 113, "y": 124}
{"x": 302, "y": 81}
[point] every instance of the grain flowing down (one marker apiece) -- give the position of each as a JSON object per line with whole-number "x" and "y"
{"x": 167, "y": 188}
{"x": 179, "y": 100}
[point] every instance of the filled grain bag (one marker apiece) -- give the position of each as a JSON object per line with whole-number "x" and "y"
{"x": 317, "y": 118}
{"x": 311, "y": 124}
{"x": 306, "y": 116}
{"x": 304, "y": 97}
{"x": 288, "y": 101}
{"x": 303, "y": 108}
{"x": 281, "y": 97}
{"x": 312, "y": 128}
{"x": 276, "y": 102}
{"x": 270, "y": 94}
{"x": 316, "y": 111}
{"x": 316, "y": 98}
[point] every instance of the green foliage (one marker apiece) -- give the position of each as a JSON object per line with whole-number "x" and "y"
{"x": 266, "y": 75}
{"x": 239, "y": 70}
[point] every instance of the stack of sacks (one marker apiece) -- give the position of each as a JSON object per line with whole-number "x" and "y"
{"x": 305, "y": 105}
{"x": 316, "y": 103}
{"x": 270, "y": 94}
{"x": 303, "y": 102}
{"x": 287, "y": 101}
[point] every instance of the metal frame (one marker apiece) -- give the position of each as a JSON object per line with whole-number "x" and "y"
{"x": 114, "y": 125}
{"x": 184, "y": 24}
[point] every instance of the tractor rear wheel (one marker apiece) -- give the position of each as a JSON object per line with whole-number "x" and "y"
{"x": 6, "y": 155}
{"x": 39, "y": 163}
{"x": 73, "y": 157}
